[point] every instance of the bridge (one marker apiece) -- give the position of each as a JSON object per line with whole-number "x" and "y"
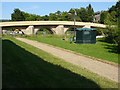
{"x": 57, "y": 27}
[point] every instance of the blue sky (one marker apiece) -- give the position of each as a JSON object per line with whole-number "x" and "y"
{"x": 44, "y": 8}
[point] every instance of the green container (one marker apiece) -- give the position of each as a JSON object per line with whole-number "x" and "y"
{"x": 85, "y": 35}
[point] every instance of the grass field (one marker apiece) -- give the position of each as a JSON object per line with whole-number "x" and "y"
{"x": 25, "y": 66}
{"x": 101, "y": 50}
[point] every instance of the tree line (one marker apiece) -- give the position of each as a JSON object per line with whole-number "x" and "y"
{"x": 83, "y": 14}
{"x": 111, "y": 18}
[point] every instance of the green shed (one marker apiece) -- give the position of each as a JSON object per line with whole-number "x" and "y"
{"x": 85, "y": 35}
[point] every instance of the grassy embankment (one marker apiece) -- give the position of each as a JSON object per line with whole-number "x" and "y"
{"x": 100, "y": 50}
{"x": 27, "y": 66}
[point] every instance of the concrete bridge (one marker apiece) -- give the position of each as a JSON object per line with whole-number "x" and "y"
{"x": 57, "y": 27}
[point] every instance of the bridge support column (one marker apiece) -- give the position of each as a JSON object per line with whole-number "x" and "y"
{"x": 29, "y": 30}
{"x": 59, "y": 30}
{"x": 35, "y": 30}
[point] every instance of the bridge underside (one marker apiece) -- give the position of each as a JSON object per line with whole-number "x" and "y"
{"x": 29, "y": 30}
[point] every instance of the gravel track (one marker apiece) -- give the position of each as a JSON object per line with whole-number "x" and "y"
{"x": 98, "y": 67}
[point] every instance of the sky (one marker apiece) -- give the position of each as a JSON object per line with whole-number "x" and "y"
{"x": 44, "y": 8}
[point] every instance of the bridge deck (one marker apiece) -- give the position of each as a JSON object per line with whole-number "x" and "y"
{"x": 25, "y": 23}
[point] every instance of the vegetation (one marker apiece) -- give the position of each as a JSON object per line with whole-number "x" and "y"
{"x": 111, "y": 13}
{"x": 103, "y": 15}
{"x": 25, "y": 66}
{"x": 112, "y": 20}
{"x": 17, "y": 15}
{"x": 101, "y": 49}
{"x": 83, "y": 14}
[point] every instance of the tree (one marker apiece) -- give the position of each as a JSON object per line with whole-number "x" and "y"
{"x": 118, "y": 25}
{"x": 58, "y": 13}
{"x": 17, "y": 15}
{"x": 113, "y": 34}
{"x": 71, "y": 11}
{"x": 45, "y": 18}
{"x": 83, "y": 15}
{"x": 103, "y": 15}
{"x": 52, "y": 17}
{"x": 113, "y": 8}
{"x": 90, "y": 12}
{"x": 65, "y": 16}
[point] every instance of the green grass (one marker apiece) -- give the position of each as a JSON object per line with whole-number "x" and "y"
{"x": 25, "y": 66}
{"x": 100, "y": 50}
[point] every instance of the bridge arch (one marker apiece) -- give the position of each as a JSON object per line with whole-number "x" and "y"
{"x": 43, "y": 29}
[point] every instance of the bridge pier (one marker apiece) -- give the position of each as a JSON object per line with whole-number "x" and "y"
{"x": 59, "y": 30}
{"x": 29, "y": 30}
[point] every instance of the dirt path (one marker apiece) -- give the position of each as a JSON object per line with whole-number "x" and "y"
{"x": 103, "y": 69}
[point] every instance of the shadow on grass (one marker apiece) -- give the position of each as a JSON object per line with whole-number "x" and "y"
{"x": 110, "y": 46}
{"x": 22, "y": 69}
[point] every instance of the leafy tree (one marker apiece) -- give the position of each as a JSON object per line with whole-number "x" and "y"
{"x": 58, "y": 13}
{"x": 113, "y": 22}
{"x": 118, "y": 25}
{"x": 17, "y": 15}
{"x": 90, "y": 12}
{"x": 26, "y": 16}
{"x": 103, "y": 15}
{"x": 71, "y": 15}
{"x": 65, "y": 16}
{"x": 38, "y": 18}
{"x": 83, "y": 15}
{"x": 45, "y": 18}
{"x": 71, "y": 11}
{"x": 111, "y": 30}
{"x": 113, "y": 8}
{"x": 52, "y": 17}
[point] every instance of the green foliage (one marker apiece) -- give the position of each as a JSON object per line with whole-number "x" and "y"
{"x": 99, "y": 31}
{"x": 17, "y": 15}
{"x": 103, "y": 15}
{"x": 31, "y": 17}
{"x": 112, "y": 20}
{"x": 52, "y": 17}
{"x": 114, "y": 12}
{"x": 65, "y": 16}
{"x": 45, "y": 18}
{"x": 90, "y": 12}
{"x": 83, "y": 14}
